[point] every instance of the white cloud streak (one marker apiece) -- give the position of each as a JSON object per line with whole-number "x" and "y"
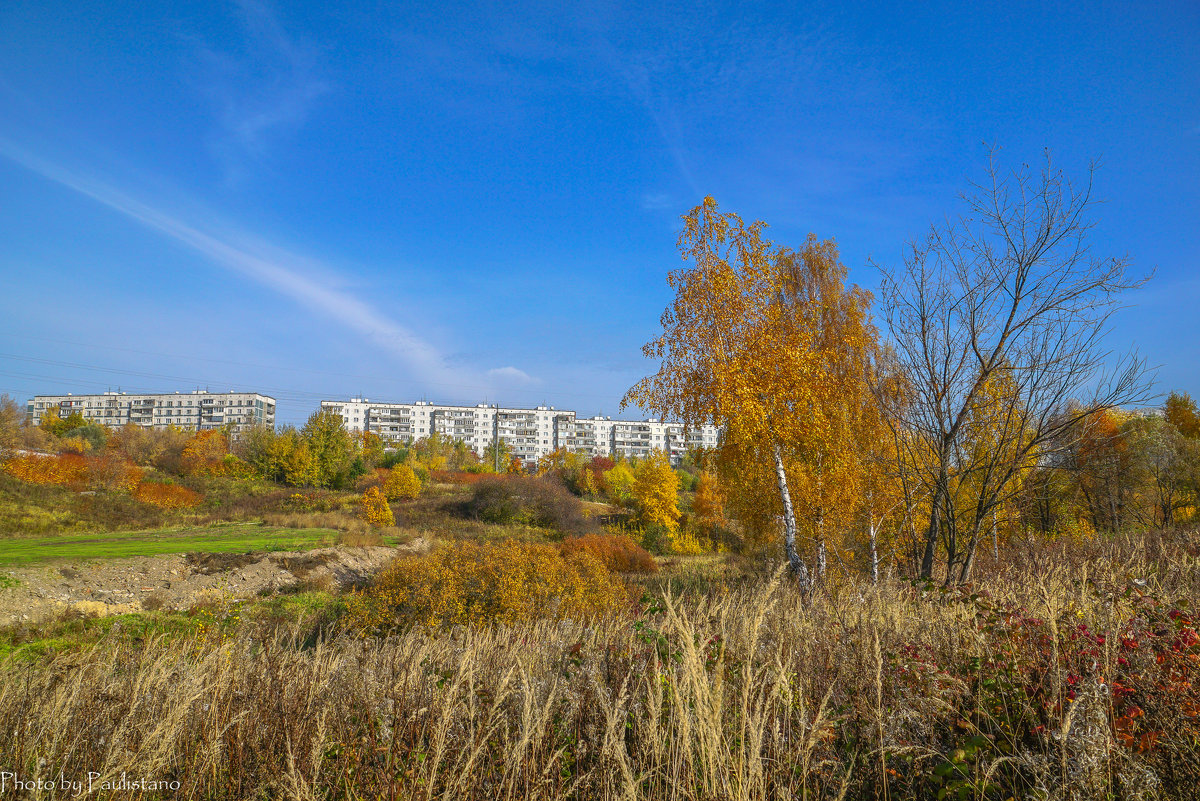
{"x": 271, "y": 267}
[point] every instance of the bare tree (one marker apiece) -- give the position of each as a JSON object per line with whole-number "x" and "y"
{"x": 997, "y": 322}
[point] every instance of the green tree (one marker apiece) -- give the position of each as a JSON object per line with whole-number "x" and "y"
{"x": 619, "y": 482}
{"x": 256, "y": 446}
{"x": 496, "y": 456}
{"x": 331, "y": 447}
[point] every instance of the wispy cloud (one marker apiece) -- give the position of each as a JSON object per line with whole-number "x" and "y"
{"x": 511, "y": 375}
{"x": 289, "y": 274}
{"x": 261, "y": 93}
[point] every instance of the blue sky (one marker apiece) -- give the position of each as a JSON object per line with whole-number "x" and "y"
{"x": 468, "y": 203}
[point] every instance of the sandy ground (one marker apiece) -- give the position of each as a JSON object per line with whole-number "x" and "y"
{"x": 178, "y": 581}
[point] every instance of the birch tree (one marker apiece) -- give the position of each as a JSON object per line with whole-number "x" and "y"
{"x": 769, "y": 345}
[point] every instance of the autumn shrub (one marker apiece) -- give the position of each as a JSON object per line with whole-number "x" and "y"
{"x": 313, "y": 501}
{"x": 371, "y": 478}
{"x": 618, "y": 552}
{"x": 526, "y": 500}
{"x": 166, "y": 496}
{"x": 402, "y": 484}
{"x": 112, "y": 471}
{"x": 204, "y": 454}
{"x": 478, "y": 582}
{"x": 65, "y": 469}
{"x": 374, "y": 509}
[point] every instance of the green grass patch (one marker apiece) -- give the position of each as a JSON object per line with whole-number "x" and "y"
{"x": 237, "y": 538}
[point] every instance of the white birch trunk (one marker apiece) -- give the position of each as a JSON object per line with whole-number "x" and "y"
{"x": 872, "y": 534}
{"x": 795, "y": 564}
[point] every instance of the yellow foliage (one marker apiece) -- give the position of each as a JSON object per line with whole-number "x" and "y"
{"x": 478, "y": 582}
{"x": 402, "y": 483}
{"x": 74, "y": 445}
{"x": 64, "y": 469}
{"x": 619, "y": 481}
{"x": 300, "y": 467}
{"x": 708, "y": 505}
{"x": 685, "y": 543}
{"x": 771, "y": 345}
{"x": 374, "y": 509}
{"x": 656, "y": 490}
{"x": 204, "y": 454}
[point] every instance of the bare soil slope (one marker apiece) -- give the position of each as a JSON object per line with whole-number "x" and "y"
{"x": 178, "y": 581}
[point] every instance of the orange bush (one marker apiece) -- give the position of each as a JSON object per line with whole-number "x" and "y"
{"x": 372, "y": 478}
{"x": 112, "y": 471}
{"x": 63, "y": 469}
{"x": 166, "y": 496}
{"x": 617, "y": 552}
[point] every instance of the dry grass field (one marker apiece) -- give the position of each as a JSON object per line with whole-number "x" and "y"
{"x": 1070, "y": 673}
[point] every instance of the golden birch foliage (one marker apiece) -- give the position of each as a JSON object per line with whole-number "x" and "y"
{"x": 374, "y": 509}
{"x": 684, "y": 543}
{"x": 74, "y": 445}
{"x": 402, "y": 483}
{"x": 656, "y": 492}
{"x": 370, "y": 447}
{"x": 773, "y": 347}
{"x": 555, "y": 460}
{"x": 1180, "y": 411}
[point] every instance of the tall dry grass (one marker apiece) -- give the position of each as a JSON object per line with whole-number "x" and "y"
{"x": 895, "y": 691}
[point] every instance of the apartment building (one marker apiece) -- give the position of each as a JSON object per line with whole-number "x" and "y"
{"x": 529, "y": 433}
{"x": 196, "y": 411}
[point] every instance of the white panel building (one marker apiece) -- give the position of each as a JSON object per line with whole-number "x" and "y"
{"x": 197, "y": 411}
{"x": 529, "y": 433}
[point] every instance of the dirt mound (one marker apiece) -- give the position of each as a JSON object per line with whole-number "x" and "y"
{"x": 179, "y": 581}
